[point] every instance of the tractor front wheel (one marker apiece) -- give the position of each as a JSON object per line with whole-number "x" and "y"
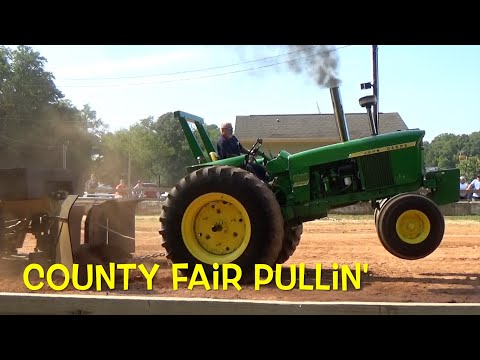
{"x": 410, "y": 226}
{"x": 376, "y": 211}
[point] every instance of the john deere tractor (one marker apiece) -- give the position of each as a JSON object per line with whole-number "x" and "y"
{"x": 221, "y": 213}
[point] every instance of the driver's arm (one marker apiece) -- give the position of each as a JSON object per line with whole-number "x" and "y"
{"x": 243, "y": 150}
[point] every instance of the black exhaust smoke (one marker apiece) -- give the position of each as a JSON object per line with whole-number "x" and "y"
{"x": 322, "y": 62}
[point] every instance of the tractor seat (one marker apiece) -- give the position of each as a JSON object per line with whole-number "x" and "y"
{"x": 213, "y": 155}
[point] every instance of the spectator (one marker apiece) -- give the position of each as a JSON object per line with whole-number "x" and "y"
{"x": 463, "y": 188}
{"x": 474, "y": 187}
{"x": 121, "y": 190}
{"x": 229, "y": 146}
{"x": 91, "y": 185}
{"x": 137, "y": 192}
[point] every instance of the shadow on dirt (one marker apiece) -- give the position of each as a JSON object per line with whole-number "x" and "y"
{"x": 433, "y": 278}
{"x": 455, "y": 283}
{"x": 12, "y": 265}
{"x": 463, "y": 283}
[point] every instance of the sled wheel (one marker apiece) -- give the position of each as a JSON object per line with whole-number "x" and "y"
{"x": 103, "y": 254}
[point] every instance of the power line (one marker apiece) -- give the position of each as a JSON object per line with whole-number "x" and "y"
{"x": 192, "y": 71}
{"x": 206, "y": 76}
{"x": 199, "y": 70}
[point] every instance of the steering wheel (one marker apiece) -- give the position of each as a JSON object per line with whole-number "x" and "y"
{"x": 253, "y": 152}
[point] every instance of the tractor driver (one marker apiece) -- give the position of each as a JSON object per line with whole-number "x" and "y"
{"x": 229, "y": 146}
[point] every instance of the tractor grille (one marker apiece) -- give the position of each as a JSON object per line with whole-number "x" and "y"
{"x": 377, "y": 170}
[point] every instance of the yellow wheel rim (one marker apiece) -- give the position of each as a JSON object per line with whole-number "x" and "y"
{"x": 216, "y": 228}
{"x": 413, "y": 226}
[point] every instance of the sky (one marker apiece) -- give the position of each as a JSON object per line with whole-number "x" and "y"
{"x": 432, "y": 87}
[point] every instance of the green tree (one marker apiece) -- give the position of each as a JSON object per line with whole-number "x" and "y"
{"x": 448, "y": 150}
{"x": 174, "y": 155}
{"x": 470, "y": 167}
{"x": 472, "y": 146}
{"x": 156, "y": 150}
{"x": 145, "y": 145}
{"x": 443, "y": 151}
{"x": 27, "y": 90}
{"x": 111, "y": 164}
{"x": 38, "y": 127}
{"x": 213, "y": 133}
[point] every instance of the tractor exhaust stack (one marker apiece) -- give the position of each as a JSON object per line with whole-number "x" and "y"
{"x": 339, "y": 114}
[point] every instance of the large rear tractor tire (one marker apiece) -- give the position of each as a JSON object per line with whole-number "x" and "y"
{"x": 410, "y": 226}
{"x": 291, "y": 239}
{"x": 221, "y": 215}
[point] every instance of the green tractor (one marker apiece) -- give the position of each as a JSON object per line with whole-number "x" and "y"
{"x": 220, "y": 213}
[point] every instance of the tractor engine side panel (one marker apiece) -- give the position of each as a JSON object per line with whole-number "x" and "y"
{"x": 376, "y": 170}
{"x": 358, "y": 178}
{"x": 336, "y": 178}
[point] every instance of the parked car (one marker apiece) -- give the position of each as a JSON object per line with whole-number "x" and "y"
{"x": 98, "y": 196}
{"x": 149, "y": 194}
{"x": 105, "y": 189}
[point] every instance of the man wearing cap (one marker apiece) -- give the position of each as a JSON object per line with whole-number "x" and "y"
{"x": 228, "y": 146}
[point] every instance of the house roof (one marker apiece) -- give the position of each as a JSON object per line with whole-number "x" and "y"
{"x": 311, "y": 126}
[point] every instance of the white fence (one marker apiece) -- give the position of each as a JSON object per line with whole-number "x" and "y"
{"x": 58, "y": 304}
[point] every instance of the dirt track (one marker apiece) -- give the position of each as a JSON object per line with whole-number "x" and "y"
{"x": 450, "y": 274}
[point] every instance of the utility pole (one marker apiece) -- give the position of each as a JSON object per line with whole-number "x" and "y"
{"x": 64, "y": 153}
{"x": 129, "y": 169}
{"x": 375, "y": 82}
